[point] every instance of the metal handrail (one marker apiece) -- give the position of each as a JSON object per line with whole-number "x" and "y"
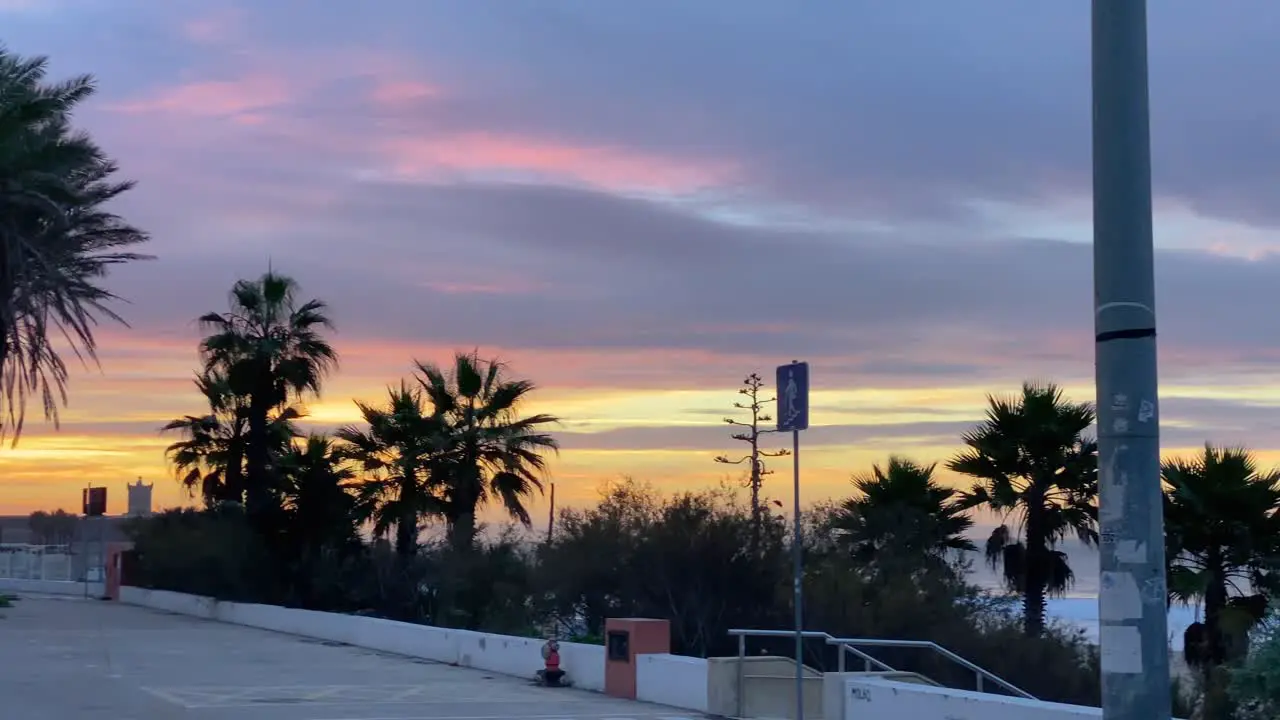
{"x": 979, "y": 673}
{"x": 742, "y": 636}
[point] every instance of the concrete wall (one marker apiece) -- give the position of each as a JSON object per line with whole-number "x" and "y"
{"x": 876, "y": 699}
{"x": 674, "y": 680}
{"x": 504, "y": 654}
{"x": 49, "y": 587}
{"x": 768, "y": 687}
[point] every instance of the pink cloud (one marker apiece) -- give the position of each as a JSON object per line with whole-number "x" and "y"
{"x": 402, "y": 92}
{"x": 611, "y": 167}
{"x": 244, "y": 99}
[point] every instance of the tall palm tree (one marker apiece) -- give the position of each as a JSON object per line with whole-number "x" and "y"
{"x": 396, "y": 446}
{"x": 271, "y": 349}
{"x": 492, "y": 453}
{"x": 900, "y": 513}
{"x": 1222, "y": 527}
{"x": 210, "y": 457}
{"x": 57, "y": 243}
{"x": 1033, "y": 465}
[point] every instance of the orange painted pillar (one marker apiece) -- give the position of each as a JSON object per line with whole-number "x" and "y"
{"x": 625, "y": 638}
{"x": 111, "y": 588}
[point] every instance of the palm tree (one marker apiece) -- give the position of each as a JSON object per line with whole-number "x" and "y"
{"x": 491, "y": 452}
{"x": 397, "y": 447}
{"x": 902, "y": 513}
{"x": 271, "y": 350}
{"x": 318, "y": 493}
{"x": 1033, "y": 465}
{"x": 321, "y": 519}
{"x": 210, "y": 457}
{"x": 1222, "y": 528}
{"x": 56, "y": 241}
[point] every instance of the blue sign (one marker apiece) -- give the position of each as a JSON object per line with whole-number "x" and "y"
{"x": 793, "y": 397}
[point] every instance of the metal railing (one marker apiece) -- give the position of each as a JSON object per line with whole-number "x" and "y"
{"x": 35, "y": 562}
{"x": 980, "y": 674}
{"x": 871, "y": 664}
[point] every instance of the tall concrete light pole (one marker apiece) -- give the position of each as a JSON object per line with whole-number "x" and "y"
{"x": 1132, "y": 609}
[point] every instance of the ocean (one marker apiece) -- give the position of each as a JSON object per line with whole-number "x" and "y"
{"x": 1082, "y": 612}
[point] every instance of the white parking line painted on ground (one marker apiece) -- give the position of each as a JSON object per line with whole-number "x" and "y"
{"x": 444, "y": 693}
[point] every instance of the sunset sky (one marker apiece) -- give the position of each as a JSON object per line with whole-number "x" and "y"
{"x": 636, "y": 204}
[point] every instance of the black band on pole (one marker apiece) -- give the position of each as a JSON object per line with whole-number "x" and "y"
{"x": 1134, "y": 334}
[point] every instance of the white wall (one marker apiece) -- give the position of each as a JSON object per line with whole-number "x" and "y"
{"x": 505, "y": 654}
{"x": 871, "y": 699}
{"x": 50, "y": 587}
{"x": 674, "y": 680}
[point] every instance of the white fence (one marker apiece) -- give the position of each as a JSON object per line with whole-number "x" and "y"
{"x": 35, "y": 562}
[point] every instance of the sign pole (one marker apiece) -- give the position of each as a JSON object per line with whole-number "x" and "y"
{"x": 798, "y": 575}
{"x": 793, "y": 416}
{"x": 84, "y": 539}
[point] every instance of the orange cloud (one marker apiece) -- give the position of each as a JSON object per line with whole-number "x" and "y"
{"x": 611, "y": 167}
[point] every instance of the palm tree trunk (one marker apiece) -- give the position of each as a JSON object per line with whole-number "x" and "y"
{"x": 1215, "y": 601}
{"x": 407, "y": 536}
{"x": 233, "y": 475}
{"x": 1035, "y": 573}
{"x": 462, "y": 533}
{"x": 407, "y": 525}
{"x": 257, "y": 457}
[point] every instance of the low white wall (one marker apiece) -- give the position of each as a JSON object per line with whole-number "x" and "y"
{"x": 871, "y": 699}
{"x": 674, "y": 680}
{"x": 50, "y": 587}
{"x": 504, "y": 654}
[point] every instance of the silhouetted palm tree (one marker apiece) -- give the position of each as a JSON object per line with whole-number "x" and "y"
{"x": 1222, "y": 527}
{"x": 396, "y": 448}
{"x": 271, "y": 350}
{"x": 1034, "y": 466}
{"x": 901, "y": 515}
{"x": 210, "y": 457}
{"x": 318, "y": 490}
{"x": 57, "y": 242}
{"x": 491, "y": 452}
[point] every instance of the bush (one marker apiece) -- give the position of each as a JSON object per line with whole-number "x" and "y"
{"x": 1255, "y": 683}
{"x": 214, "y": 553}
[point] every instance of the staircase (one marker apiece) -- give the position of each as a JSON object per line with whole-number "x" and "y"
{"x": 764, "y": 687}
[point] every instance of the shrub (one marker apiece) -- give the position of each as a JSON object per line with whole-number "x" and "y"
{"x": 1255, "y": 683}
{"x": 214, "y": 553}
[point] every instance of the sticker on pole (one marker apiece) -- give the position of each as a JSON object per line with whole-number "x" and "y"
{"x": 793, "y": 397}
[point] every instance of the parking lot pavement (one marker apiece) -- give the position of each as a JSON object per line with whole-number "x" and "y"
{"x": 73, "y": 659}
